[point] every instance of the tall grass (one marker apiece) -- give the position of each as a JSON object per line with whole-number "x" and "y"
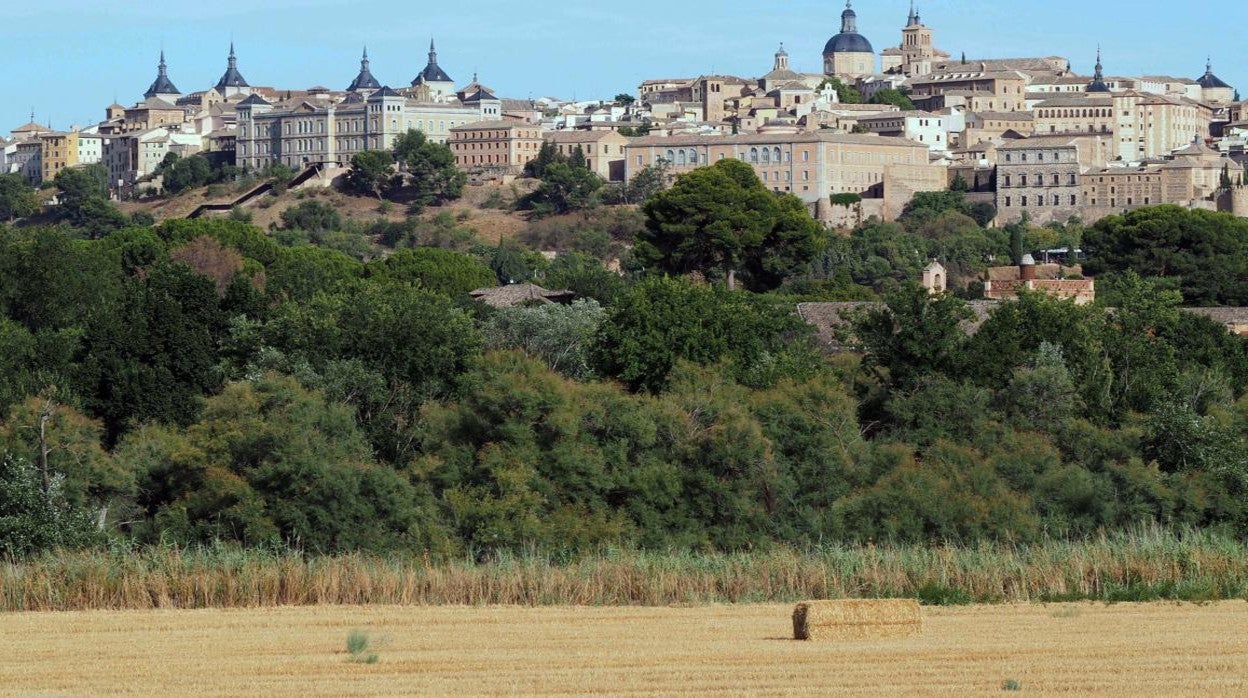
{"x": 1145, "y": 564}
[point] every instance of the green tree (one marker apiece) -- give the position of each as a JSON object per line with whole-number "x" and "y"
{"x": 313, "y": 217}
{"x": 37, "y": 518}
{"x": 564, "y": 188}
{"x": 897, "y": 98}
{"x": 371, "y": 174}
{"x": 180, "y": 174}
{"x": 272, "y": 463}
{"x": 660, "y": 322}
{"x": 430, "y": 168}
{"x": 916, "y": 334}
{"x": 84, "y": 201}
{"x": 721, "y": 220}
{"x": 17, "y": 198}
{"x": 624, "y": 99}
{"x": 443, "y": 271}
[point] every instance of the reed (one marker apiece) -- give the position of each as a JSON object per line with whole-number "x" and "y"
{"x": 1141, "y": 565}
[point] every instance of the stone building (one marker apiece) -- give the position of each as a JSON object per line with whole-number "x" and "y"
{"x": 985, "y": 126}
{"x": 1191, "y": 177}
{"x": 1075, "y": 114}
{"x": 886, "y": 172}
{"x": 1040, "y": 176}
{"x": 848, "y": 55}
{"x": 489, "y": 150}
{"x": 930, "y": 129}
{"x": 1152, "y": 126}
{"x": 990, "y": 90}
{"x": 1212, "y": 89}
{"x": 603, "y": 150}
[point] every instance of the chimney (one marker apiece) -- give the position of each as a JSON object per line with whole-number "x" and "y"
{"x": 1027, "y": 268}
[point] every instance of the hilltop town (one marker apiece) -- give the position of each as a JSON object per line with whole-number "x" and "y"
{"x": 1031, "y": 136}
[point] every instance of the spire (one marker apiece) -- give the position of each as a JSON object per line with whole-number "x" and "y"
{"x": 1098, "y": 78}
{"x": 231, "y": 78}
{"x": 913, "y": 19}
{"x": 365, "y": 80}
{"x": 432, "y": 73}
{"x": 162, "y": 86}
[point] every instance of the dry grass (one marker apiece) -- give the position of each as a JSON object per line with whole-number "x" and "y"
{"x": 1153, "y": 649}
{"x": 856, "y": 619}
{"x": 1146, "y": 565}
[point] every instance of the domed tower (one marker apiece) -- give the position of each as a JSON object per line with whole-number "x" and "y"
{"x": 1098, "y": 78}
{"x": 438, "y": 83}
{"x": 849, "y": 55}
{"x": 1213, "y": 89}
{"x": 364, "y": 82}
{"x": 232, "y": 82}
{"x": 163, "y": 87}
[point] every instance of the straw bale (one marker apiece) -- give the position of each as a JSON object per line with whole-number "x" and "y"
{"x": 856, "y": 619}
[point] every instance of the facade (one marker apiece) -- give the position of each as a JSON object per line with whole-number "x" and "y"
{"x": 812, "y": 165}
{"x": 1152, "y": 126}
{"x": 848, "y": 55}
{"x": 59, "y": 151}
{"x": 303, "y": 132}
{"x": 990, "y": 90}
{"x": 1040, "y": 176}
{"x": 991, "y": 125}
{"x": 924, "y": 127}
{"x": 603, "y": 150}
{"x": 495, "y": 149}
{"x": 132, "y": 156}
{"x": 1075, "y": 114}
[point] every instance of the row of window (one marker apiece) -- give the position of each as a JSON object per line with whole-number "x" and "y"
{"x": 1056, "y": 156}
{"x": 1038, "y": 180}
{"x": 1039, "y": 200}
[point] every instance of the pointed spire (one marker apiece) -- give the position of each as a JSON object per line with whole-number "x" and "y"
{"x": 365, "y": 80}
{"x": 231, "y": 78}
{"x": 913, "y": 19}
{"x": 163, "y": 86}
{"x": 1098, "y": 78}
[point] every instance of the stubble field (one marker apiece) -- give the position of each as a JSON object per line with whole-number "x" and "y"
{"x": 1153, "y": 649}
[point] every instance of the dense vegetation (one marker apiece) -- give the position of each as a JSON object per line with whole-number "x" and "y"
{"x": 199, "y": 382}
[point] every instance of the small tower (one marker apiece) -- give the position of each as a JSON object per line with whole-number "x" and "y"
{"x": 364, "y": 82}
{"x": 232, "y": 82}
{"x": 782, "y": 60}
{"x": 935, "y": 278}
{"x": 440, "y": 84}
{"x": 162, "y": 88}
{"x": 1098, "y": 83}
{"x": 1212, "y": 89}
{"x": 918, "y": 49}
{"x": 848, "y": 55}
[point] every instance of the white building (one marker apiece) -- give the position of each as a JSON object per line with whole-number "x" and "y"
{"x": 924, "y": 127}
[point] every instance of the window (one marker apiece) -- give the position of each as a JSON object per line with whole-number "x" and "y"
{"x": 1024, "y": 201}
{"x": 1007, "y": 180}
{"x": 1073, "y": 200}
{"x": 753, "y": 154}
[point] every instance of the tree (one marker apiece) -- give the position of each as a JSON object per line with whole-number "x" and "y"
{"x": 181, "y": 174}
{"x": 661, "y": 322}
{"x": 559, "y": 335}
{"x": 372, "y": 173}
{"x": 721, "y": 220}
{"x": 1205, "y": 252}
{"x": 564, "y": 188}
{"x": 312, "y": 217}
{"x": 442, "y": 271}
{"x": 916, "y": 334}
{"x": 960, "y": 184}
{"x": 84, "y": 200}
{"x": 897, "y": 98}
{"x": 35, "y": 517}
{"x": 272, "y": 463}
{"x": 847, "y": 94}
{"x": 548, "y": 154}
{"x": 648, "y": 181}
{"x": 624, "y": 99}
{"x": 430, "y": 168}
{"x": 17, "y": 198}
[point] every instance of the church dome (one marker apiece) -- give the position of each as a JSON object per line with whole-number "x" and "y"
{"x": 849, "y": 40}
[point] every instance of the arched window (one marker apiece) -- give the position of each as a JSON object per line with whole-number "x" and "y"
{"x": 753, "y": 154}
{"x": 776, "y": 155}
{"x": 671, "y": 156}
{"x": 681, "y": 159}
{"x": 766, "y": 155}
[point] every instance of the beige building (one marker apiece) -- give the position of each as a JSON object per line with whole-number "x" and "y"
{"x": 982, "y": 127}
{"x": 603, "y": 150}
{"x": 989, "y": 90}
{"x": 886, "y": 172}
{"x": 917, "y": 53}
{"x": 1212, "y": 89}
{"x": 1084, "y": 113}
{"x": 1040, "y": 176}
{"x": 495, "y": 149}
{"x": 1005, "y": 283}
{"x": 849, "y": 55}
{"x": 1152, "y": 126}
{"x": 1192, "y": 178}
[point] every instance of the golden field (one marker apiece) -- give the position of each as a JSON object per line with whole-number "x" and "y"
{"x": 1128, "y": 649}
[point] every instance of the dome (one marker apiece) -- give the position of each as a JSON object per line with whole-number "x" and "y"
{"x": 848, "y": 43}
{"x": 1209, "y": 81}
{"x": 849, "y": 40}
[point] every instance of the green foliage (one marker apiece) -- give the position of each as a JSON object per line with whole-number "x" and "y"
{"x": 916, "y": 334}
{"x": 721, "y": 220}
{"x": 661, "y": 322}
{"x": 312, "y": 216}
{"x": 848, "y": 94}
{"x": 846, "y": 200}
{"x": 180, "y": 174}
{"x": 371, "y": 174}
{"x": 359, "y": 644}
{"x": 84, "y": 201}
{"x": 17, "y": 198}
{"x": 35, "y": 516}
{"x": 1206, "y": 252}
{"x": 560, "y": 335}
{"x": 430, "y": 168}
{"x": 586, "y": 277}
{"x": 898, "y": 98}
{"x": 564, "y": 188}
{"x": 443, "y": 271}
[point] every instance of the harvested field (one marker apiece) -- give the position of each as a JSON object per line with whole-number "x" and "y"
{"x": 1154, "y": 649}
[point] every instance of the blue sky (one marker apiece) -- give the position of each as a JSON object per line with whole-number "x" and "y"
{"x": 68, "y": 59}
